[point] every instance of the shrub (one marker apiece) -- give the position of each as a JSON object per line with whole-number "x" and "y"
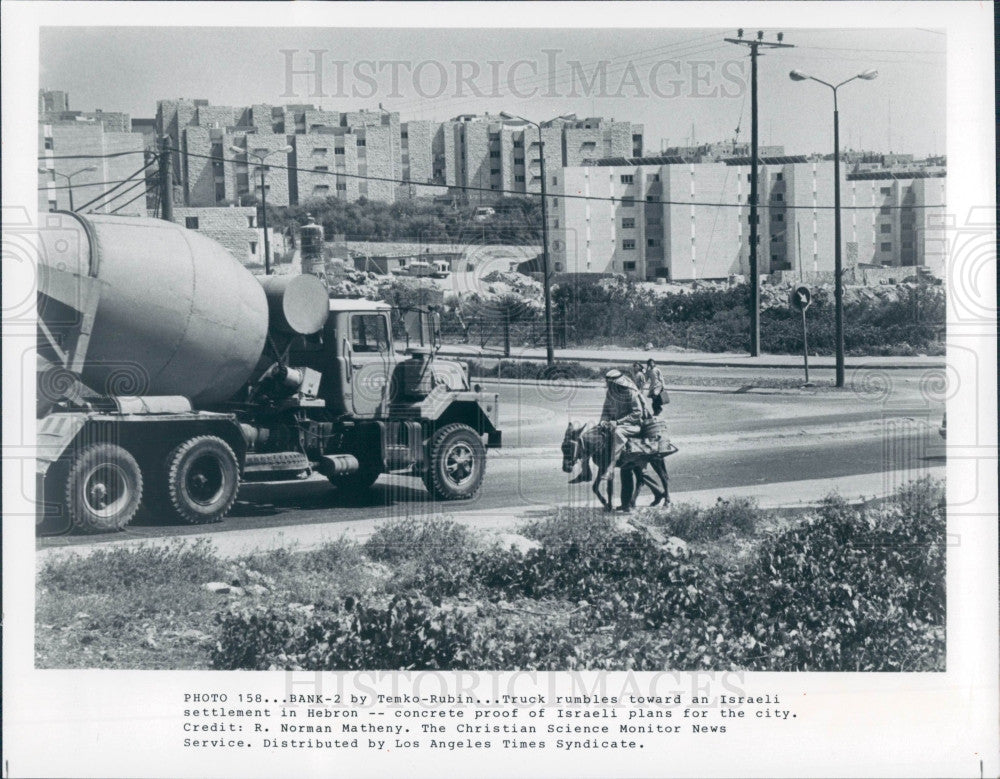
{"x": 408, "y": 633}
{"x": 692, "y": 523}
{"x": 112, "y": 570}
{"x": 427, "y": 539}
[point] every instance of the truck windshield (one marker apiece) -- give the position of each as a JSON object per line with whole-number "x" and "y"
{"x": 369, "y": 333}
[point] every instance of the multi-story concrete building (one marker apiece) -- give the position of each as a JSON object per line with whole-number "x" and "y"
{"x": 670, "y": 217}
{"x": 473, "y": 155}
{"x": 70, "y": 148}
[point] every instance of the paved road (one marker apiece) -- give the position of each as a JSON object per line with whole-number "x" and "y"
{"x": 725, "y": 440}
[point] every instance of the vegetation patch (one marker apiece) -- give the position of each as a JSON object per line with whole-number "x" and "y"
{"x": 840, "y": 588}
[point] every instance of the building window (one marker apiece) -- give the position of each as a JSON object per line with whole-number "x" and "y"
{"x": 321, "y": 168}
{"x": 650, "y": 198}
{"x": 778, "y": 196}
{"x": 885, "y": 247}
{"x": 559, "y": 266}
{"x": 779, "y": 177}
{"x": 627, "y": 178}
{"x": 886, "y": 190}
{"x": 628, "y": 243}
{"x": 777, "y": 217}
{"x": 907, "y": 244}
{"x": 519, "y": 179}
{"x": 885, "y": 228}
{"x": 191, "y": 222}
{"x": 628, "y": 202}
{"x": 404, "y": 134}
{"x": 536, "y": 161}
{"x": 495, "y": 155}
{"x": 494, "y": 171}
{"x": 655, "y": 177}
{"x": 250, "y": 220}
{"x": 321, "y": 190}
{"x": 628, "y": 222}
{"x": 519, "y": 160}
{"x": 885, "y": 210}
{"x": 650, "y": 242}
{"x": 628, "y": 265}
{"x": 361, "y": 141}
{"x": 518, "y": 144}
{"x": 776, "y": 238}
{"x": 774, "y": 258}
{"x": 555, "y": 181}
{"x": 319, "y": 150}
{"x": 341, "y": 186}
{"x": 339, "y": 151}
{"x": 253, "y": 247}
{"x": 48, "y": 144}
{"x": 555, "y": 223}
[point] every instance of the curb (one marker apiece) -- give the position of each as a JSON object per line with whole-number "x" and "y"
{"x": 791, "y": 364}
{"x": 746, "y": 389}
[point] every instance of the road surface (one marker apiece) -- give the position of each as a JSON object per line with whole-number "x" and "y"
{"x": 725, "y": 440}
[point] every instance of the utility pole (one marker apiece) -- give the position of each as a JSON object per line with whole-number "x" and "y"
{"x": 755, "y": 46}
{"x": 166, "y": 180}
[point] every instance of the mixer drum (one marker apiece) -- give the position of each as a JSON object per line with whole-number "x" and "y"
{"x": 176, "y": 314}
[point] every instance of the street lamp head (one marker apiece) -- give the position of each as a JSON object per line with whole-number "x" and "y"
{"x": 237, "y": 149}
{"x": 505, "y": 115}
{"x": 285, "y": 149}
{"x": 868, "y": 75}
{"x": 798, "y": 75}
{"x": 44, "y": 170}
{"x": 88, "y": 169}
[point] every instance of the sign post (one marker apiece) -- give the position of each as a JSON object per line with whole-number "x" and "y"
{"x": 800, "y": 298}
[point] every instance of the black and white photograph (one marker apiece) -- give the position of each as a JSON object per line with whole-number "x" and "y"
{"x": 645, "y": 361}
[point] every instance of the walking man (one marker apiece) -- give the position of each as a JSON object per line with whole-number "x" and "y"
{"x": 656, "y": 387}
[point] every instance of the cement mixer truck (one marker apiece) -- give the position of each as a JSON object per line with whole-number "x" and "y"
{"x": 168, "y": 374}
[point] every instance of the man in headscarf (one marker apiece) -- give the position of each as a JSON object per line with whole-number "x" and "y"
{"x": 622, "y": 414}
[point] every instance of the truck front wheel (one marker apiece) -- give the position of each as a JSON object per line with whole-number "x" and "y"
{"x": 456, "y": 463}
{"x": 202, "y": 479}
{"x": 103, "y": 488}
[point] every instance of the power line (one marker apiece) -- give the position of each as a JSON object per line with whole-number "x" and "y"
{"x": 128, "y": 202}
{"x": 90, "y": 156}
{"x": 139, "y": 183}
{"x": 85, "y": 184}
{"x": 117, "y": 186}
{"x": 498, "y": 192}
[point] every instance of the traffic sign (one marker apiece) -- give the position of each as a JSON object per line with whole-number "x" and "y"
{"x": 800, "y": 298}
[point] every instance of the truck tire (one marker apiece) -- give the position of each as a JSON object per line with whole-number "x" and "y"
{"x": 103, "y": 489}
{"x": 456, "y": 463}
{"x": 202, "y": 479}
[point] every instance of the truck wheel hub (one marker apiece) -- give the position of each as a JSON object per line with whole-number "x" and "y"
{"x": 459, "y": 463}
{"x": 205, "y": 479}
{"x": 105, "y": 489}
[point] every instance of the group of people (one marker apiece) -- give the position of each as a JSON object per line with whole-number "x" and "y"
{"x": 628, "y": 402}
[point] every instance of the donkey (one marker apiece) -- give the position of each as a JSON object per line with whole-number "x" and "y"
{"x": 585, "y": 442}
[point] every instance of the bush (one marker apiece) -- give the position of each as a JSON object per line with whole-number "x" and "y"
{"x": 692, "y": 523}
{"x": 409, "y": 633}
{"x": 427, "y": 539}
{"x": 112, "y": 570}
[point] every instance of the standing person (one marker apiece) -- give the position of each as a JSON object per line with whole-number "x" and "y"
{"x": 639, "y": 378}
{"x": 657, "y": 388}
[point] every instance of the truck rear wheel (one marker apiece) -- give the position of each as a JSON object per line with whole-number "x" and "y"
{"x": 457, "y": 463}
{"x": 103, "y": 488}
{"x": 202, "y": 479}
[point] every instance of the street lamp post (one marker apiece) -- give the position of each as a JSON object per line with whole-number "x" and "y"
{"x": 546, "y": 280}
{"x": 69, "y": 179}
{"x": 838, "y": 281}
{"x": 260, "y": 157}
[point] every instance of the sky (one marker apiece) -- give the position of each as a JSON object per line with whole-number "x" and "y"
{"x": 681, "y": 84}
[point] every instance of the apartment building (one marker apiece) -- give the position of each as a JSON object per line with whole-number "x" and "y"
{"x": 671, "y": 217}
{"x": 383, "y": 158}
{"x": 94, "y": 160}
